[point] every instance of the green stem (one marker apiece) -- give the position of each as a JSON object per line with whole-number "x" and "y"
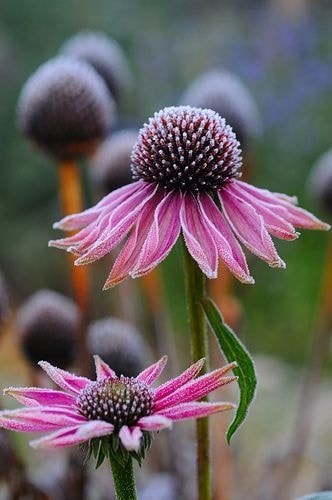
{"x": 124, "y": 479}
{"x": 195, "y": 291}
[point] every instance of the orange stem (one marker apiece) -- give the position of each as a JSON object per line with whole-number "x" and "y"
{"x": 72, "y": 202}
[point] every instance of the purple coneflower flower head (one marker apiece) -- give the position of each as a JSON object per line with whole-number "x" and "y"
{"x": 65, "y": 108}
{"x": 105, "y": 55}
{"x": 119, "y": 344}
{"x": 47, "y": 327}
{"x": 226, "y": 94}
{"x": 110, "y": 166}
{"x": 320, "y": 182}
{"x": 124, "y": 411}
{"x": 186, "y": 163}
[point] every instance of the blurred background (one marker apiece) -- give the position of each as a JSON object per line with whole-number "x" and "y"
{"x": 282, "y": 51}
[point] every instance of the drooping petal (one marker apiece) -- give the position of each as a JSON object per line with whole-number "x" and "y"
{"x": 128, "y": 257}
{"x": 163, "y": 234}
{"x": 249, "y": 227}
{"x": 82, "y": 219}
{"x": 275, "y": 224}
{"x": 130, "y": 437}
{"x": 228, "y": 247}
{"x": 37, "y": 419}
{"x": 172, "y": 385}
{"x": 32, "y": 396}
{"x": 102, "y": 368}
{"x": 197, "y": 388}
{"x": 150, "y": 374}
{"x": 154, "y": 423}
{"x": 199, "y": 242}
{"x": 64, "y": 379}
{"x": 121, "y": 220}
{"x": 195, "y": 410}
{"x": 74, "y": 435}
{"x": 284, "y": 206}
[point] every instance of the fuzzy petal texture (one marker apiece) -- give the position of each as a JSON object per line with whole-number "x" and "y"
{"x": 38, "y": 419}
{"x": 195, "y": 410}
{"x": 102, "y": 368}
{"x": 154, "y": 423}
{"x": 32, "y": 396}
{"x": 197, "y": 237}
{"x": 64, "y": 379}
{"x": 130, "y": 437}
{"x": 150, "y": 374}
{"x": 74, "y": 435}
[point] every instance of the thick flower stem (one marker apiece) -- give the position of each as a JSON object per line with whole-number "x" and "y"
{"x": 123, "y": 480}
{"x": 195, "y": 291}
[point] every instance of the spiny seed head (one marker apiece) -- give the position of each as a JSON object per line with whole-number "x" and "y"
{"x": 65, "y": 108}
{"x": 105, "y": 55}
{"x": 121, "y": 401}
{"x": 186, "y": 149}
{"x": 4, "y": 299}
{"x": 47, "y": 325}
{"x": 119, "y": 344}
{"x": 320, "y": 182}
{"x": 226, "y": 94}
{"x": 111, "y": 163}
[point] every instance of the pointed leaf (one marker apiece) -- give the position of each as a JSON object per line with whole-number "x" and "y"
{"x": 234, "y": 350}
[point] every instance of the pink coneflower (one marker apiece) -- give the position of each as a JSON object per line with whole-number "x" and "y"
{"x": 123, "y": 407}
{"x": 186, "y": 165}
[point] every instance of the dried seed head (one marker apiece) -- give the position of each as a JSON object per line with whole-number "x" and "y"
{"x": 47, "y": 326}
{"x": 225, "y": 93}
{"x": 186, "y": 149}
{"x": 121, "y": 401}
{"x": 65, "y": 108}
{"x": 111, "y": 163}
{"x": 119, "y": 344}
{"x": 320, "y": 182}
{"x": 105, "y": 55}
{"x": 4, "y": 299}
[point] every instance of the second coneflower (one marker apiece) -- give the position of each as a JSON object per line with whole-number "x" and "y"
{"x": 186, "y": 164}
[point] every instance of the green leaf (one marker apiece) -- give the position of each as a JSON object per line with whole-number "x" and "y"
{"x": 323, "y": 495}
{"x": 233, "y": 350}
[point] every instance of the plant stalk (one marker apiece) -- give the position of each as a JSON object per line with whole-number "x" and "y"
{"x": 195, "y": 290}
{"x": 123, "y": 480}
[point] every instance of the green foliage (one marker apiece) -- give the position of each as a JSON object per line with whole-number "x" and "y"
{"x": 233, "y": 350}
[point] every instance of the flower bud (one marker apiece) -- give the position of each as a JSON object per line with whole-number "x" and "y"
{"x": 47, "y": 327}
{"x": 65, "y": 108}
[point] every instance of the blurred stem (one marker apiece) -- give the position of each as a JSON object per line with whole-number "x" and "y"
{"x": 195, "y": 291}
{"x": 72, "y": 202}
{"x": 123, "y": 480}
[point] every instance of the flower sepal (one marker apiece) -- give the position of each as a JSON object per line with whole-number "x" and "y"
{"x": 111, "y": 448}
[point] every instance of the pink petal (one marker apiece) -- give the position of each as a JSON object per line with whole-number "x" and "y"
{"x": 151, "y": 373}
{"x": 130, "y": 438}
{"x": 102, "y": 369}
{"x": 74, "y": 435}
{"x": 31, "y": 396}
{"x": 64, "y": 379}
{"x": 77, "y": 221}
{"x": 195, "y": 410}
{"x": 128, "y": 257}
{"x": 172, "y": 385}
{"x": 154, "y": 423}
{"x": 249, "y": 227}
{"x": 37, "y": 419}
{"x": 163, "y": 234}
{"x": 295, "y": 215}
{"x": 227, "y": 245}
{"x": 121, "y": 220}
{"x": 199, "y": 242}
{"x": 198, "y": 388}
{"x": 276, "y": 225}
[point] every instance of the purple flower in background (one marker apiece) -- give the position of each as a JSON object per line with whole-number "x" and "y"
{"x": 124, "y": 407}
{"x": 186, "y": 162}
